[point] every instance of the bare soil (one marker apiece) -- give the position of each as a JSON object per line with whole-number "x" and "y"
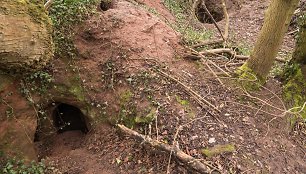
{"x": 138, "y": 46}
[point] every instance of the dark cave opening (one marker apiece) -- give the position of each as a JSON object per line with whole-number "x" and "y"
{"x": 68, "y": 118}
{"x": 215, "y": 10}
{"x": 106, "y": 4}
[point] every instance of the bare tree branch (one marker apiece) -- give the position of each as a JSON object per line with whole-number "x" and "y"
{"x": 48, "y": 4}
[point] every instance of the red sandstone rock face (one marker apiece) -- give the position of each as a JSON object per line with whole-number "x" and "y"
{"x": 17, "y": 122}
{"x": 125, "y": 31}
{"x": 25, "y": 36}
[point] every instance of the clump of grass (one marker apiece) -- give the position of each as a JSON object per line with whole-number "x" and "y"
{"x": 182, "y": 11}
{"x": 65, "y": 14}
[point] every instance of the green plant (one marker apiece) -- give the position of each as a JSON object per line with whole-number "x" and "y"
{"x": 64, "y": 15}
{"x": 39, "y": 81}
{"x": 127, "y": 111}
{"x": 14, "y": 166}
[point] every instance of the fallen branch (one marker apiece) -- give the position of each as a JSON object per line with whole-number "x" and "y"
{"x": 187, "y": 160}
{"x": 229, "y": 51}
{"x": 224, "y": 50}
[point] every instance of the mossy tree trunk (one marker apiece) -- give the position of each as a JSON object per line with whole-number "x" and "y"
{"x": 277, "y": 18}
{"x": 299, "y": 55}
{"x": 295, "y": 75}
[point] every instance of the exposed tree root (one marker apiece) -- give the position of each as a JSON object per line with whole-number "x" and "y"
{"x": 187, "y": 160}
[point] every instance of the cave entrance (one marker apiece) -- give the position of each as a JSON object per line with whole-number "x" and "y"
{"x": 106, "y": 4}
{"x": 215, "y": 9}
{"x": 68, "y": 118}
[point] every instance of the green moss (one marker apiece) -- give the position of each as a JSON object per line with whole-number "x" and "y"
{"x": 73, "y": 89}
{"x": 218, "y": 149}
{"x": 126, "y": 97}
{"x": 186, "y": 105}
{"x": 247, "y": 78}
{"x": 148, "y": 118}
{"x": 294, "y": 92}
{"x": 22, "y": 7}
{"x": 182, "y": 102}
{"x": 127, "y": 111}
{"x": 128, "y": 114}
{"x": 300, "y": 50}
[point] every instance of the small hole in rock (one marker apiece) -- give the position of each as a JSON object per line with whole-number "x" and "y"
{"x": 67, "y": 118}
{"x": 106, "y": 4}
{"x": 215, "y": 10}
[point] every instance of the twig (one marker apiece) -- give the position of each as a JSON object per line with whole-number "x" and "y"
{"x": 175, "y": 143}
{"x": 211, "y": 70}
{"x": 224, "y": 50}
{"x": 248, "y": 106}
{"x": 212, "y": 18}
{"x": 207, "y": 42}
{"x": 18, "y": 121}
{"x": 277, "y": 59}
{"x": 262, "y": 101}
{"x": 226, "y": 28}
{"x": 228, "y": 51}
{"x": 188, "y": 89}
{"x": 294, "y": 108}
{"x": 233, "y": 64}
{"x": 209, "y": 61}
{"x": 293, "y": 32}
{"x": 48, "y": 4}
{"x": 177, "y": 153}
{"x": 156, "y": 122}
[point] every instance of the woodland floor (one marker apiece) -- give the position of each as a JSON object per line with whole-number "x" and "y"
{"x": 263, "y": 139}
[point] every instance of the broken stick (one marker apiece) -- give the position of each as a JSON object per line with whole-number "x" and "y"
{"x": 223, "y": 50}
{"x": 187, "y": 160}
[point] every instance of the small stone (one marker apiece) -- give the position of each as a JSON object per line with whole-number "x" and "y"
{"x": 194, "y": 137}
{"x": 245, "y": 119}
{"x": 165, "y": 132}
{"x": 211, "y": 140}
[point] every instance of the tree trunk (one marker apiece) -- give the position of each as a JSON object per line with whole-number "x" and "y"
{"x": 294, "y": 88}
{"x": 25, "y": 36}
{"x": 275, "y": 25}
{"x": 299, "y": 55}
